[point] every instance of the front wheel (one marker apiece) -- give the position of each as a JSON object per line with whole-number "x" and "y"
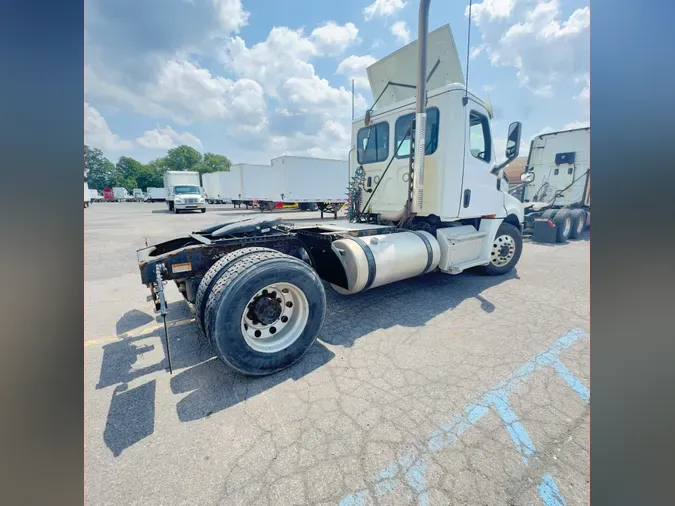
{"x": 204, "y": 210}
{"x": 263, "y": 314}
{"x": 506, "y": 249}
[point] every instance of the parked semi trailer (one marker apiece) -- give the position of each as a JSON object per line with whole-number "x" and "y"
{"x": 261, "y": 185}
{"x": 121, "y": 194}
{"x": 228, "y": 185}
{"x": 87, "y": 195}
{"x": 314, "y": 183}
{"x": 556, "y": 193}
{"x": 255, "y": 284}
{"x": 183, "y": 191}
{"x": 211, "y": 188}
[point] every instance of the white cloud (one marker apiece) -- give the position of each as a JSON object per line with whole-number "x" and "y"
{"x": 316, "y": 96}
{"x": 333, "y": 39}
{"x": 383, "y": 8}
{"x": 331, "y": 141}
{"x": 354, "y": 67}
{"x": 542, "y": 46}
{"x": 576, "y": 124}
{"x": 285, "y": 53}
{"x": 167, "y": 138}
{"x": 97, "y": 132}
{"x": 401, "y": 32}
{"x": 197, "y": 94}
{"x": 584, "y": 95}
{"x": 231, "y": 15}
{"x": 477, "y": 50}
{"x": 492, "y": 9}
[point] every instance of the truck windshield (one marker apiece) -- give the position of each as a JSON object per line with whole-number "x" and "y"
{"x": 179, "y": 190}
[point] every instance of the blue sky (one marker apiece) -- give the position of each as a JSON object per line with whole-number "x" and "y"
{"x": 255, "y": 79}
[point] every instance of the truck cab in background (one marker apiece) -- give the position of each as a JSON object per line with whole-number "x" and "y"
{"x": 183, "y": 191}
{"x": 556, "y": 194}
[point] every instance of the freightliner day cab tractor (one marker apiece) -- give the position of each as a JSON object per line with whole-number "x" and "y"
{"x": 256, "y": 284}
{"x": 557, "y": 186}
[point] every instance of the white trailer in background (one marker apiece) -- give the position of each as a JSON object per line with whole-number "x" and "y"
{"x": 155, "y": 194}
{"x": 211, "y": 187}
{"x": 314, "y": 183}
{"x": 261, "y": 185}
{"x": 87, "y": 195}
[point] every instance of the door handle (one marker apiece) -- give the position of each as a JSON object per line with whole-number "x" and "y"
{"x": 467, "y": 197}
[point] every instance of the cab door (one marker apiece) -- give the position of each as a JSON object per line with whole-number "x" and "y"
{"x": 480, "y": 195}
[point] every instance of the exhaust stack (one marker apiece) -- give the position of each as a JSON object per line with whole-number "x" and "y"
{"x": 421, "y": 115}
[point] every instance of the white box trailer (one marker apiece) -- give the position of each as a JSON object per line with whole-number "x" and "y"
{"x": 261, "y": 183}
{"x": 87, "y": 195}
{"x": 228, "y": 185}
{"x": 211, "y": 187}
{"x": 557, "y": 189}
{"x": 155, "y": 194}
{"x": 313, "y": 181}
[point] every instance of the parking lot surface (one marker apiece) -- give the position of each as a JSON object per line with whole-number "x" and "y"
{"x": 432, "y": 391}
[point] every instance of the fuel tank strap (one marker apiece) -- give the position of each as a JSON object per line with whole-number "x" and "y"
{"x": 430, "y": 252}
{"x": 372, "y": 270}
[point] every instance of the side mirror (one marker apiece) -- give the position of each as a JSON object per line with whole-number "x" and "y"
{"x": 513, "y": 140}
{"x": 527, "y": 177}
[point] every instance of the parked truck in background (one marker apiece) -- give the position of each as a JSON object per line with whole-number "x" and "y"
{"x": 121, "y": 194}
{"x": 108, "y": 195}
{"x": 155, "y": 194}
{"x": 314, "y": 183}
{"x": 556, "y": 194}
{"x": 95, "y": 196}
{"x": 256, "y": 283}
{"x": 183, "y": 191}
{"x": 87, "y": 195}
{"x": 137, "y": 195}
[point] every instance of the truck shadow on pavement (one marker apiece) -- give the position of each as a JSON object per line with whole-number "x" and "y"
{"x": 212, "y": 387}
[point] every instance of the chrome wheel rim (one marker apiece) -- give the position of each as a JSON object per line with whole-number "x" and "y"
{"x": 274, "y": 317}
{"x": 567, "y": 227}
{"x": 580, "y": 225}
{"x": 503, "y": 250}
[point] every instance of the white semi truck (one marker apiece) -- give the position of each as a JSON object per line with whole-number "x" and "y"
{"x": 256, "y": 284}
{"x": 183, "y": 191}
{"x": 314, "y": 183}
{"x": 556, "y": 193}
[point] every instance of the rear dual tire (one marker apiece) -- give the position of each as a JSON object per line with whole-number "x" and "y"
{"x": 261, "y": 310}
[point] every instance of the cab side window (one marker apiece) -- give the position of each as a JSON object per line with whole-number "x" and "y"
{"x": 372, "y": 143}
{"x": 480, "y": 143}
{"x": 402, "y": 136}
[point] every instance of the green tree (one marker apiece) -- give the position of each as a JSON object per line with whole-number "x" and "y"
{"x": 213, "y": 163}
{"x": 101, "y": 172}
{"x": 182, "y": 158}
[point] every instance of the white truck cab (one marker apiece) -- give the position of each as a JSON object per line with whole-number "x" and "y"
{"x": 460, "y": 184}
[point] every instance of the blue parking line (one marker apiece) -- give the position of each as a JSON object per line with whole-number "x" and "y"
{"x": 549, "y": 493}
{"x": 411, "y": 467}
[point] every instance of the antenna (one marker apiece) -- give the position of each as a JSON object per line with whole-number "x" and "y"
{"x": 468, "y": 48}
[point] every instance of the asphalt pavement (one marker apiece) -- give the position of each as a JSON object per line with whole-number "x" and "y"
{"x": 431, "y": 391}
